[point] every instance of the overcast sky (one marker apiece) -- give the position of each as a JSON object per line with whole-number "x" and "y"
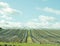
{"x": 30, "y": 13}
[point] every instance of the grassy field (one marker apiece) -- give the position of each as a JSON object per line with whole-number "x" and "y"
{"x": 26, "y": 44}
{"x": 33, "y": 37}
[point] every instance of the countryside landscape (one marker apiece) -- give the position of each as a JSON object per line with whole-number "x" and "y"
{"x": 30, "y": 36}
{"x": 29, "y": 22}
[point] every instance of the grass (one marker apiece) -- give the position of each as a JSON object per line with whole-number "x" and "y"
{"x": 27, "y": 44}
{"x": 29, "y": 40}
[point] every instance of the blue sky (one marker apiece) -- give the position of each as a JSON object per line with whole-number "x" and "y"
{"x": 31, "y": 12}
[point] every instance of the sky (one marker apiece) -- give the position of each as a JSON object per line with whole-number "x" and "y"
{"x": 30, "y": 13}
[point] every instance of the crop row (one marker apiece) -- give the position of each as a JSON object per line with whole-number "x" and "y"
{"x": 13, "y": 35}
{"x": 44, "y": 36}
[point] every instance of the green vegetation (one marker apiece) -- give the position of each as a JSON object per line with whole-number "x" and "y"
{"x": 13, "y": 35}
{"x": 45, "y": 36}
{"x": 29, "y": 40}
{"x": 31, "y": 37}
{"x": 27, "y": 44}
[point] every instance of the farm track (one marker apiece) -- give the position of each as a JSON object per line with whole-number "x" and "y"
{"x": 29, "y": 40}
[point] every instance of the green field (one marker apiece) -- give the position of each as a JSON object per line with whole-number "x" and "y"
{"x": 30, "y": 37}
{"x": 27, "y": 44}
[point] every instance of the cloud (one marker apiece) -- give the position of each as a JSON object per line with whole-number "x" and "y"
{"x": 4, "y": 5}
{"x": 56, "y": 25}
{"x": 14, "y": 24}
{"x": 37, "y": 25}
{"x": 50, "y": 10}
{"x": 32, "y": 24}
{"x": 44, "y": 18}
{"x": 41, "y": 22}
{"x": 6, "y": 9}
{"x": 7, "y": 13}
{"x": 9, "y": 24}
{"x": 6, "y": 17}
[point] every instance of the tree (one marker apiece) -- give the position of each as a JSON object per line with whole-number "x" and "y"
{"x": 0, "y": 28}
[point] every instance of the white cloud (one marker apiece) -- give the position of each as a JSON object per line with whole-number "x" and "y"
{"x": 6, "y": 11}
{"x": 9, "y": 24}
{"x": 14, "y": 24}
{"x": 4, "y": 5}
{"x": 32, "y": 24}
{"x": 37, "y": 25}
{"x": 56, "y": 25}
{"x": 2, "y": 21}
{"x": 6, "y": 17}
{"x": 51, "y": 10}
{"x": 42, "y": 22}
{"x": 45, "y": 21}
{"x": 5, "y": 14}
{"x": 44, "y": 18}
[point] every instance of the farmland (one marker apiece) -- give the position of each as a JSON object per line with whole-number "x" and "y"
{"x": 27, "y": 36}
{"x": 13, "y": 35}
{"x": 45, "y": 36}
